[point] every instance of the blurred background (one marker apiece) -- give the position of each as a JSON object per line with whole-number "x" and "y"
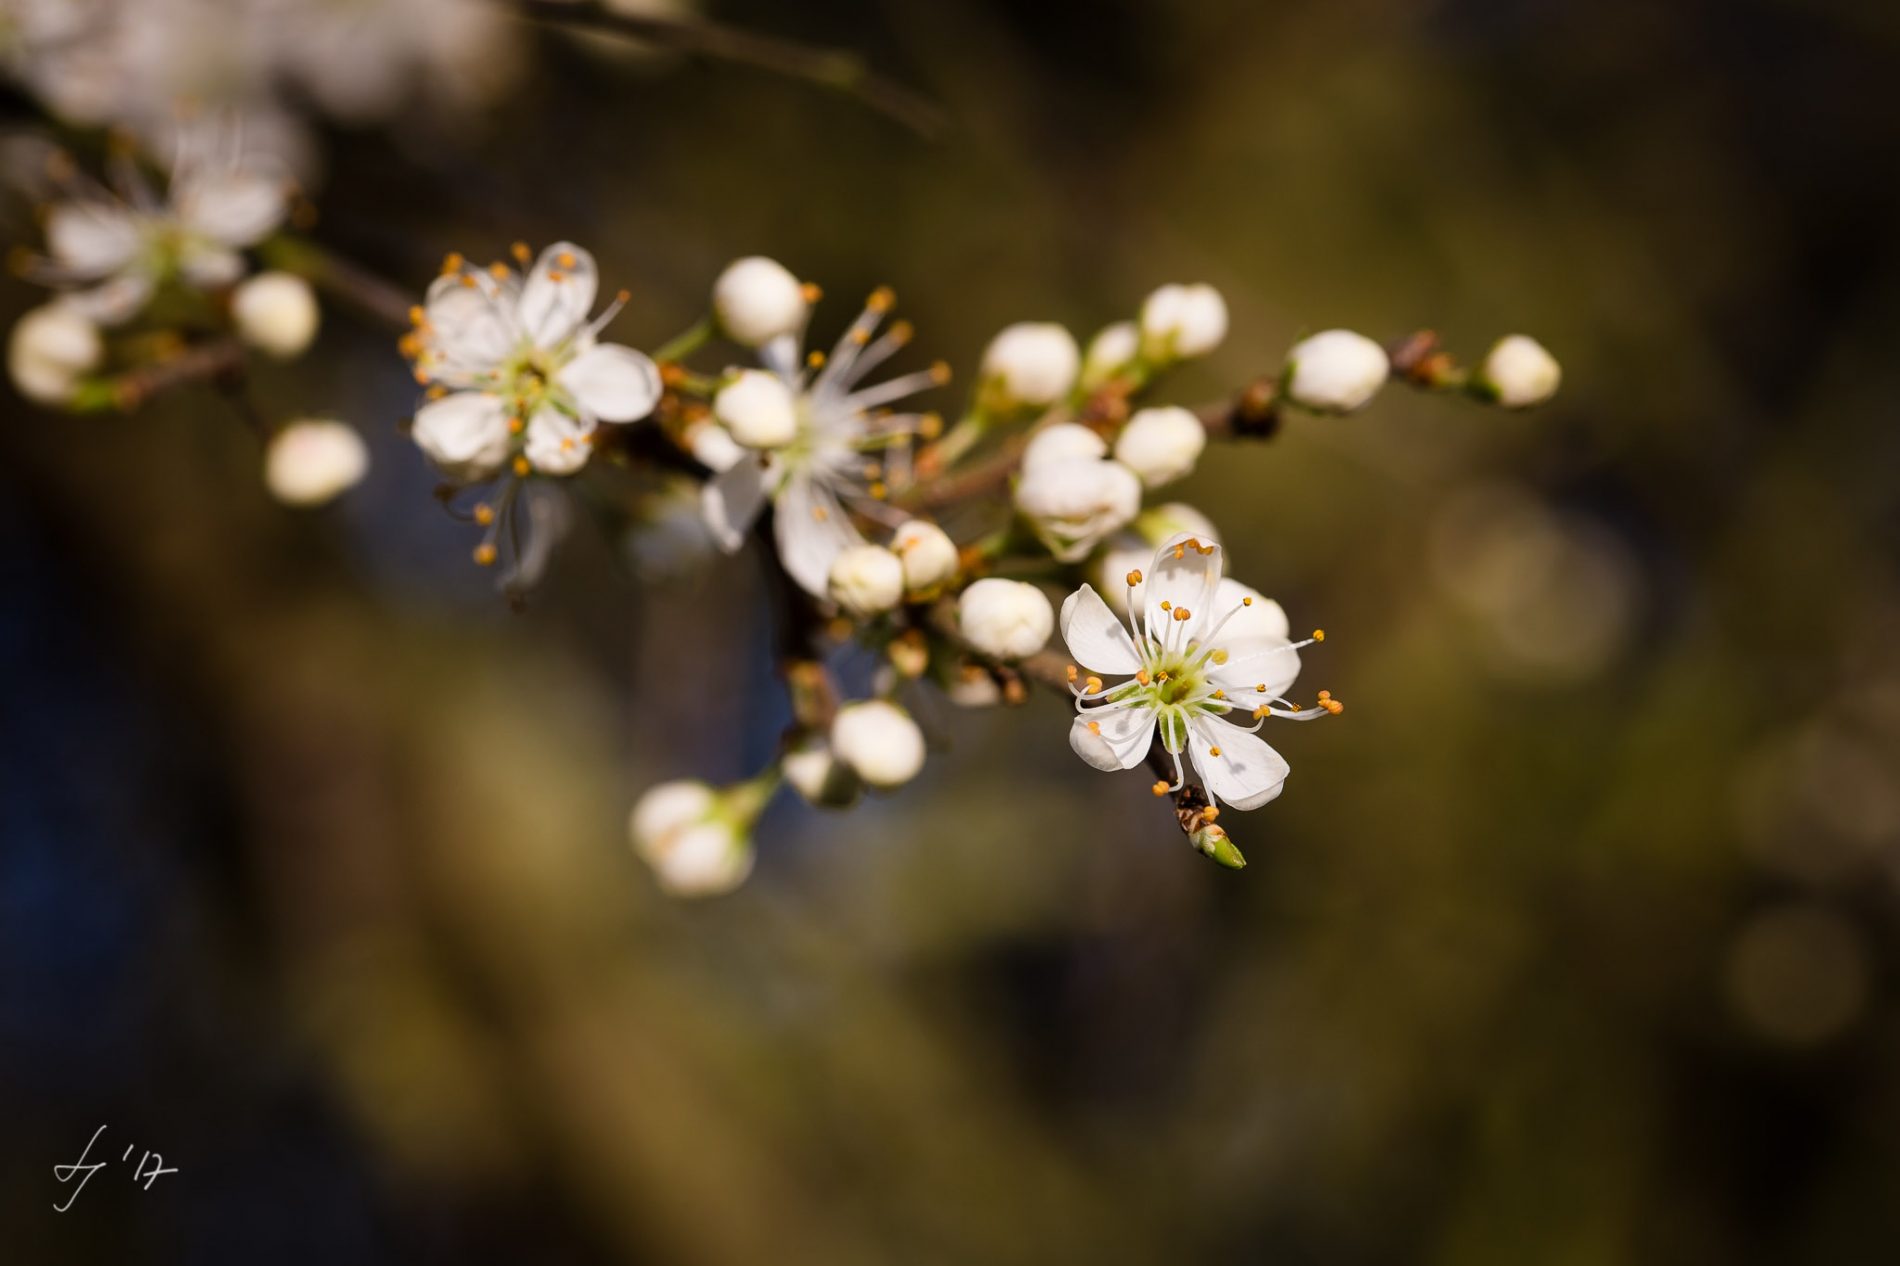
{"x": 1575, "y": 941}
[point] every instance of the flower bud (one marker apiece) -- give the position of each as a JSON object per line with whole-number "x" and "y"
{"x": 1214, "y": 841}
{"x": 756, "y": 300}
{"x": 1161, "y": 445}
{"x": 1005, "y": 618}
{"x": 1031, "y": 363}
{"x": 50, "y": 349}
{"x": 1110, "y": 351}
{"x": 313, "y": 460}
{"x": 1074, "y": 502}
{"x": 1335, "y": 371}
{"x": 1064, "y": 441}
{"x": 817, "y": 774}
{"x": 1181, "y": 322}
{"x": 866, "y": 580}
{"x": 696, "y": 839}
{"x": 277, "y": 313}
{"x": 879, "y": 741}
{"x": 1519, "y": 373}
{"x": 928, "y": 554}
{"x": 757, "y": 410}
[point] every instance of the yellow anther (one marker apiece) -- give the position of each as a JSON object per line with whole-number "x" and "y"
{"x": 484, "y": 554}
{"x": 468, "y": 279}
{"x": 860, "y": 337}
{"x": 555, "y": 274}
{"x": 522, "y": 467}
{"x": 1133, "y": 578}
{"x": 422, "y": 375}
{"x": 1182, "y": 613}
{"x": 622, "y": 295}
{"x": 1161, "y": 676}
{"x": 940, "y": 373}
{"x": 1334, "y": 706}
{"x": 819, "y": 514}
{"x": 881, "y": 299}
{"x": 484, "y": 514}
{"x": 436, "y": 392}
{"x": 409, "y": 345}
{"x": 1144, "y": 678}
{"x": 878, "y": 491}
{"x": 452, "y": 262}
{"x": 515, "y": 426}
{"x": 565, "y": 259}
{"x": 1070, "y": 672}
{"x": 521, "y": 253}
{"x": 1166, "y": 605}
{"x": 1262, "y": 711}
{"x": 900, "y": 332}
{"x": 811, "y": 291}
{"x": 498, "y": 270}
{"x": 1213, "y": 751}
{"x": 1092, "y": 684}
{"x": 1319, "y": 635}
{"x": 1211, "y": 812}
{"x": 416, "y": 315}
{"x": 816, "y": 359}
{"x": 1219, "y": 656}
{"x": 1246, "y": 602}
{"x": 1160, "y": 788}
{"x": 1324, "y": 695}
{"x": 1095, "y": 727}
{"x": 1261, "y": 688}
{"x": 1219, "y": 694}
{"x": 930, "y": 426}
{"x": 1180, "y": 552}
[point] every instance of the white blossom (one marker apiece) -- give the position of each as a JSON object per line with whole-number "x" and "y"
{"x": 1183, "y": 322}
{"x": 929, "y": 555}
{"x": 1071, "y": 494}
{"x": 1112, "y": 350}
{"x": 1335, "y": 371}
{"x": 507, "y": 354}
{"x": 879, "y": 741}
{"x": 276, "y": 312}
{"x": 1161, "y": 444}
{"x": 696, "y": 843}
{"x": 1031, "y": 363}
{"x": 313, "y": 460}
{"x": 1132, "y": 548}
{"x": 1005, "y": 618}
{"x": 866, "y": 580}
{"x": 816, "y": 773}
{"x": 757, "y": 300}
{"x": 49, "y": 350}
{"x": 757, "y": 409}
{"x": 1202, "y": 656}
{"x": 1520, "y": 373}
{"x": 813, "y": 481}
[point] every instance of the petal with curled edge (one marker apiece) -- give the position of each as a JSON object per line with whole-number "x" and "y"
{"x": 558, "y": 294}
{"x": 613, "y": 383}
{"x": 1185, "y": 574}
{"x": 1095, "y": 637}
{"x": 1113, "y": 738}
{"x": 1246, "y": 774}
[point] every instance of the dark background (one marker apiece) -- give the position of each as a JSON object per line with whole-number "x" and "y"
{"x": 1573, "y": 942}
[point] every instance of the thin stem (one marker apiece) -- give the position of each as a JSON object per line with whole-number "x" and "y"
{"x": 829, "y": 68}
{"x": 684, "y": 344}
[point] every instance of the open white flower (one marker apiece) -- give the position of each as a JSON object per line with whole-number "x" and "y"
{"x": 815, "y": 479}
{"x": 505, "y": 355}
{"x": 108, "y": 250}
{"x": 1071, "y": 493}
{"x": 1133, "y": 547}
{"x": 1203, "y": 657}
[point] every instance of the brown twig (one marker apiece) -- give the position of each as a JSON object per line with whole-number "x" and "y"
{"x": 372, "y": 296}
{"x": 829, "y": 68}
{"x": 127, "y": 391}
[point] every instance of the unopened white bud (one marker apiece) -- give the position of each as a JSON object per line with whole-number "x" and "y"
{"x": 866, "y": 580}
{"x": 277, "y": 313}
{"x": 1005, "y": 618}
{"x": 313, "y": 460}
{"x": 817, "y": 774}
{"x": 1520, "y": 372}
{"x": 879, "y": 741}
{"x": 1075, "y": 502}
{"x": 1110, "y": 352}
{"x": 757, "y": 410}
{"x": 756, "y": 300}
{"x": 1161, "y": 444}
{"x": 50, "y": 349}
{"x": 1335, "y": 371}
{"x": 928, "y": 554}
{"x": 1179, "y": 322}
{"x": 1031, "y": 363}
{"x": 696, "y": 847}
{"x": 973, "y": 686}
{"x": 1065, "y": 441}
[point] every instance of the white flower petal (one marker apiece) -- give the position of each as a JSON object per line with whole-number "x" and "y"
{"x": 1113, "y": 738}
{"x": 208, "y": 266}
{"x": 1256, "y": 662}
{"x": 558, "y": 294}
{"x": 110, "y": 302}
{"x": 1246, "y": 774}
{"x": 557, "y": 442}
{"x": 1095, "y": 637}
{"x": 471, "y": 328}
{"x": 1185, "y": 574}
{"x": 91, "y": 240}
{"x": 730, "y": 503}
{"x": 466, "y": 433}
{"x": 233, "y": 208}
{"x": 1263, "y": 618}
{"x": 812, "y": 529}
{"x": 614, "y": 383}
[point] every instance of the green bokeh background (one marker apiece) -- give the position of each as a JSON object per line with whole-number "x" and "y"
{"x": 1573, "y": 941}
